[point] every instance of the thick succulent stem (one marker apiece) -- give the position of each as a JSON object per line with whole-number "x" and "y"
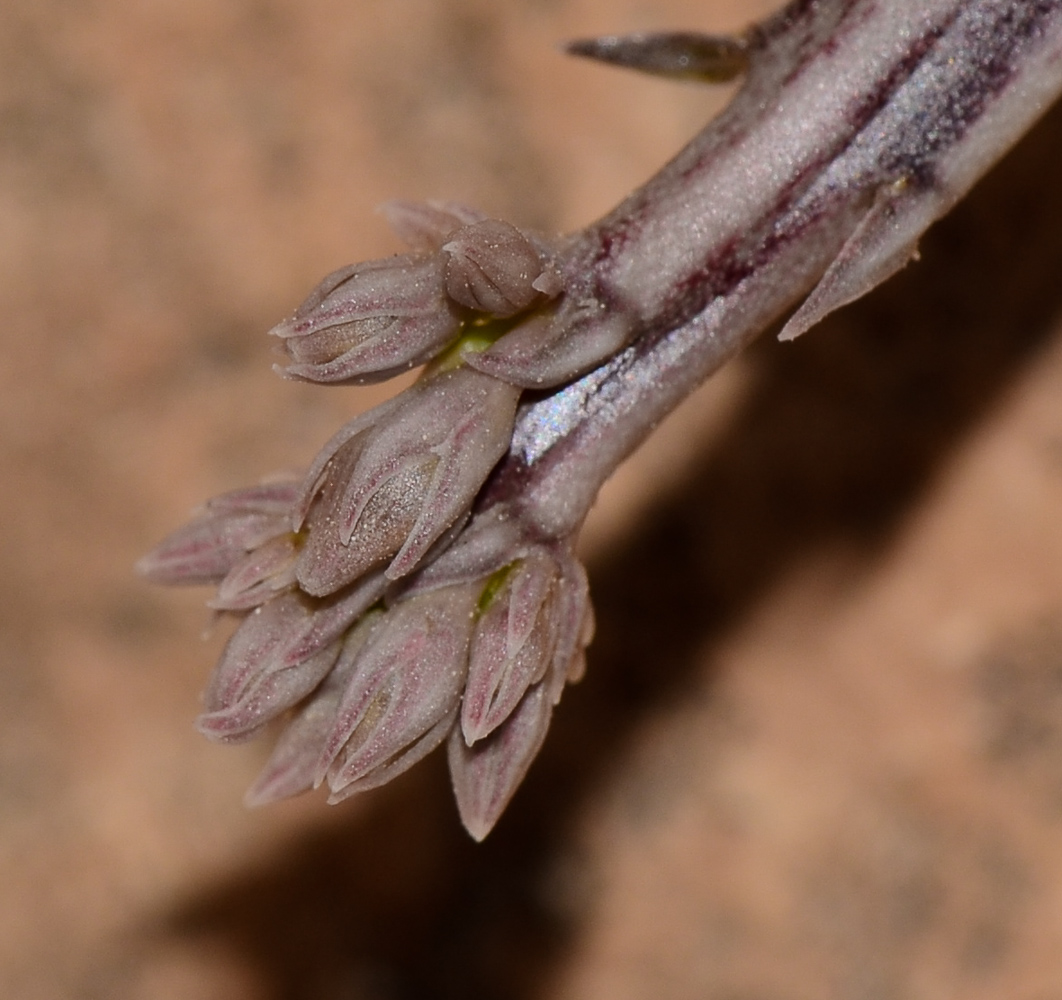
{"x": 859, "y": 125}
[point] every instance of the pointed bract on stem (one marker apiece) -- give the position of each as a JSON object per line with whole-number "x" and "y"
{"x": 419, "y": 585}
{"x": 680, "y": 55}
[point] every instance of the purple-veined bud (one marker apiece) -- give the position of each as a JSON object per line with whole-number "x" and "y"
{"x": 293, "y": 764}
{"x": 252, "y": 683}
{"x": 396, "y": 480}
{"x": 367, "y": 322}
{"x": 277, "y": 655}
{"x": 487, "y": 772}
{"x": 513, "y": 642}
{"x": 535, "y": 616}
{"x": 486, "y": 775}
{"x": 403, "y": 692}
{"x": 226, "y": 528}
{"x": 425, "y": 225}
{"x": 494, "y": 268}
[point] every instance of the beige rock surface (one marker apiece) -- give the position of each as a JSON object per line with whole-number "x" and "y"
{"x": 819, "y": 750}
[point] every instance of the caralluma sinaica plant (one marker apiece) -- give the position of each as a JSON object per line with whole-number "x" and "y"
{"x": 417, "y": 586}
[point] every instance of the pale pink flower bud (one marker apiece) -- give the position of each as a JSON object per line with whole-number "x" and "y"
{"x": 276, "y": 656}
{"x": 221, "y": 535}
{"x": 252, "y": 683}
{"x": 370, "y": 321}
{"x": 512, "y": 644}
{"x": 396, "y": 480}
{"x": 486, "y": 775}
{"x": 292, "y": 766}
{"x": 425, "y": 225}
{"x": 492, "y": 267}
{"x": 404, "y": 690}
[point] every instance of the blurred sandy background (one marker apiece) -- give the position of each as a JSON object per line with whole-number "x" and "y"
{"x": 819, "y": 750}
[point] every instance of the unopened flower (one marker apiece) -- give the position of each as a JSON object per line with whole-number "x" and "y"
{"x": 403, "y": 693}
{"x": 486, "y": 775}
{"x": 370, "y": 321}
{"x": 513, "y": 696}
{"x": 221, "y": 534}
{"x": 391, "y": 483}
{"x": 367, "y": 322}
{"x": 494, "y": 268}
{"x": 279, "y": 653}
{"x": 252, "y": 683}
{"x": 513, "y": 642}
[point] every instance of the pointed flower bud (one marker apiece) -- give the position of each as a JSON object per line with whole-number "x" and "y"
{"x": 425, "y": 225}
{"x": 292, "y": 766}
{"x": 404, "y": 690}
{"x": 252, "y": 683}
{"x": 396, "y": 480}
{"x": 278, "y": 654}
{"x": 370, "y": 321}
{"x": 494, "y": 268}
{"x": 512, "y": 644}
{"x": 221, "y": 535}
{"x": 486, "y": 775}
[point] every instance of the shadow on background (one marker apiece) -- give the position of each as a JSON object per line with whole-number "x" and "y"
{"x": 837, "y": 439}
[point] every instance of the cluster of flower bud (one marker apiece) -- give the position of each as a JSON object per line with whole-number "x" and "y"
{"x": 367, "y": 322}
{"x": 381, "y": 612}
{"x": 473, "y": 649}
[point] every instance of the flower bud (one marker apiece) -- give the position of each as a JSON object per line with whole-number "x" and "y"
{"x": 512, "y": 644}
{"x": 404, "y": 690}
{"x": 492, "y": 267}
{"x": 276, "y": 656}
{"x": 425, "y": 225}
{"x": 228, "y": 527}
{"x": 393, "y": 482}
{"x": 370, "y": 321}
{"x": 293, "y": 764}
{"x": 542, "y": 619}
{"x": 252, "y": 683}
{"x": 486, "y": 775}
